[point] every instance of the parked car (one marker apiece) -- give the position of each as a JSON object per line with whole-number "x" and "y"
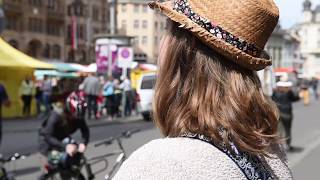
{"x": 145, "y": 92}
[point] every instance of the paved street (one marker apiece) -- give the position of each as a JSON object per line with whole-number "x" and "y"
{"x": 306, "y": 139}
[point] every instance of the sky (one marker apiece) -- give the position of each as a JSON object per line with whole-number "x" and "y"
{"x": 291, "y": 11}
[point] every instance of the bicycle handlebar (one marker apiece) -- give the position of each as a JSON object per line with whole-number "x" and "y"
{"x": 125, "y": 134}
{"x": 105, "y": 142}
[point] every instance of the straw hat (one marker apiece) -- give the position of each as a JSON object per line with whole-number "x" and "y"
{"x": 237, "y": 29}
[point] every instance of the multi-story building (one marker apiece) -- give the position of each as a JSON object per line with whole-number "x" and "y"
{"x": 85, "y": 18}
{"x": 308, "y": 31}
{"x": 284, "y": 49}
{"x": 135, "y": 18}
{"x": 45, "y": 28}
{"x": 35, "y": 27}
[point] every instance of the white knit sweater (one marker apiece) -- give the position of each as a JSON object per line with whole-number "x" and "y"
{"x": 188, "y": 159}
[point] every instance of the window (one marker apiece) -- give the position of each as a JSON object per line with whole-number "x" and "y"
{"x": 156, "y": 25}
{"x": 145, "y": 8}
{"x": 69, "y": 10}
{"x": 35, "y": 25}
{"x": 53, "y": 4}
{"x": 144, "y": 40}
{"x": 76, "y": 9}
{"x": 53, "y": 29}
{"x": 148, "y": 82}
{"x": 136, "y": 8}
{"x": 46, "y": 52}
{"x": 69, "y": 34}
{"x": 81, "y": 33}
{"x": 136, "y": 40}
{"x": 12, "y": 23}
{"x": 95, "y": 13}
{"x": 123, "y": 24}
{"x": 144, "y": 24}
{"x": 123, "y": 8}
{"x": 96, "y": 30}
{"x": 35, "y": 2}
{"x": 136, "y": 24}
{"x": 56, "y": 52}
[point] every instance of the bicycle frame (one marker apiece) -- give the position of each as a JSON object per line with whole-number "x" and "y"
{"x": 120, "y": 159}
{"x": 122, "y": 156}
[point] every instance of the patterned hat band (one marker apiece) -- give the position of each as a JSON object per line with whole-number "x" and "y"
{"x": 183, "y": 7}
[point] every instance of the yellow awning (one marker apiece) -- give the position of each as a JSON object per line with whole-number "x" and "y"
{"x": 11, "y": 57}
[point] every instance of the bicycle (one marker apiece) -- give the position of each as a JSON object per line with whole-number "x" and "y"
{"x": 122, "y": 156}
{"x": 67, "y": 167}
{"x": 4, "y": 174}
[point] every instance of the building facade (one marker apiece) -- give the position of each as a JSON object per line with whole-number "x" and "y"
{"x": 42, "y": 28}
{"x": 284, "y": 50}
{"x": 308, "y": 31}
{"x": 135, "y": 18}
{"x": 35, "y": 27}
{"x": 83, "y": 20}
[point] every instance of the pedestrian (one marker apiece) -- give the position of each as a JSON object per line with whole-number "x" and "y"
{"x": 284, "y": 97}
{"x": 38, "y": 98}
{"x": 26, "y": 94}
{"x": 126, "y": 88}
{"x": 91, "y": 87}
{"x": 108, "y": 93}
{"x": 315, "y": 88}
{"x": 46, "y": 89}
{"x": 209, "y": 103}
{"x": 117, "y": 97}
{"x": 305, "y": 91}
{"x": 4, "y": 100}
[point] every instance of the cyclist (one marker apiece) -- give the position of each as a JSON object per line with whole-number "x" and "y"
{"x": 64, "y": 120}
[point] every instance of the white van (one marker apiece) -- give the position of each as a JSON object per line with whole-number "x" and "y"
{"x": 145, "y": 92}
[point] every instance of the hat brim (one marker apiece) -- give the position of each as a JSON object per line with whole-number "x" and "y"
{"x": 227, "y": 50}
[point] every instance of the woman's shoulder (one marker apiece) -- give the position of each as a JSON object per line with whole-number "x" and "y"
{"x": 183, "y": 158}
{"x": 178, "y": 158}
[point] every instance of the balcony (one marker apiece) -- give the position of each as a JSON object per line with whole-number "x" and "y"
{"x": 12, "y": 7}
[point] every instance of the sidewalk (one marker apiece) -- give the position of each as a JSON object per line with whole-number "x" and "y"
{"x": 33, "y": 124}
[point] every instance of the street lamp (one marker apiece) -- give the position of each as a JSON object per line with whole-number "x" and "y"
{"x": 112, "y": 7}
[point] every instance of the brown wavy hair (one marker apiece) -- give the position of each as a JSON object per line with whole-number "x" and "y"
{"x": 200, "y": 91}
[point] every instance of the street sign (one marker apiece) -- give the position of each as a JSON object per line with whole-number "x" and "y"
{"x": 125, "y": 57}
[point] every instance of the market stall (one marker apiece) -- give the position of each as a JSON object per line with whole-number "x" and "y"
{"x": 15, "y": 66}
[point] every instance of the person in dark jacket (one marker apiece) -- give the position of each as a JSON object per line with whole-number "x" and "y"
{"x": 63, "y": 121}
{"x": 55, "y": 135}
{"x": 284, "y": 97}
{"x": 4, "y": 100}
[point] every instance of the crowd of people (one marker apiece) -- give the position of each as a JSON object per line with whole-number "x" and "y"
{"x": 107, "y": 96}
{"x": 104, "y": 97}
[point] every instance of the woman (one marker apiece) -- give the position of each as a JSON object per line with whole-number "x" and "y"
{"x": 108, "y": 93}
{"x": 284, "y": 97}
{"x": 208, "y": 101}
{"x": 26, "y": 92}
